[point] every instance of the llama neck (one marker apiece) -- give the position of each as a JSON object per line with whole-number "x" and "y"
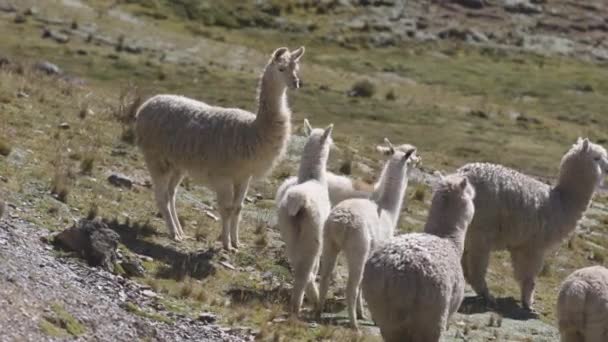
{"x": 456, "y": 234}
{"x": 312, "y": 167}
{"x": 572, "y": 197}
{"x": 389, "y": 196}
{"x": 272, "y": 101}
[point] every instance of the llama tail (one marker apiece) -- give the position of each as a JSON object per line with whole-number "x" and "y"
{"x": 295, "y": 201}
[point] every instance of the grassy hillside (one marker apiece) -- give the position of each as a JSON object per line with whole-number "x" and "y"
{"x": 60, "y": 139}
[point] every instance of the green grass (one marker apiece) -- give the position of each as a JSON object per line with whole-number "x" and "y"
{"x": 61, "y": 323}
{"x": 432, "y": 112}
{"x": 134, "y": 309}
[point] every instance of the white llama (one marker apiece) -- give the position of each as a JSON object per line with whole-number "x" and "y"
{"x": 582, "y": 306}
{"x": 222, "y": 148}
{"x": 358, "y": 226}
{"x": 301, "y": 214}
{"x": 528, "y": 218}
{"x": 414, "y": 282}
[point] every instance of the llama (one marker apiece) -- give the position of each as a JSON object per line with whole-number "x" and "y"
{"x": 528, "y": 218}
{"x": 359, "y": 225}
{"x": 414, "y": 282}
{"x": 301, "y": 214}
{"x": 582, "y": 306}
{"x": 222, "y": 148}
{"x": 341, "y": 187}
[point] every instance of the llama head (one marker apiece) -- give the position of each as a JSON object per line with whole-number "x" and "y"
{"x": 389, "y": 150}
{"x": 319, "y": 140}
{"x": 585, "y": 161}
{"x": 284, "y": 66}
{"x": 454, "y": 195}
{"x": 398, "y": 160}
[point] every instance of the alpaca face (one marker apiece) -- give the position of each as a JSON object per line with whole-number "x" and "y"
{"x": 319, "y": 140}
{"x": 590, "y": 158}
{"x": 456, "y": 194}
{"x": 285, "y": 67}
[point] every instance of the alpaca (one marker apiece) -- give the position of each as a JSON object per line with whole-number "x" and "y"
{"x": 341, "y": 187}
{"x": 414, "y": 282}
{"x": 222, "y": 148}
{"x": 359, "y": 225}
{"x": 582, "y": 306}
{"x": 528, "y": 218}
{"x": 301, "y": 214}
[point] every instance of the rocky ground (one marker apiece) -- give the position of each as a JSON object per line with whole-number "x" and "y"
{"x": 45, "y": 297}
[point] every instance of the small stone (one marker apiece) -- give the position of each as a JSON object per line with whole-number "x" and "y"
{"x": 149, "y": 293}
{"x": 48, "y": 68}
{"x": 227, "y": 265}
{"x": 207, "y": 317}
{"x": 64, "y": 125}
{"x": 22, "y": 94}
{"x": 120, "y": 180}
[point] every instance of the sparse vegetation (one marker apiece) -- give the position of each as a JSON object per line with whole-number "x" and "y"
{"x": 363, "y": 88}
{"x": 139, "y": 312}
{"x": 5, "y": 148}
{"x": 60, "y": 323}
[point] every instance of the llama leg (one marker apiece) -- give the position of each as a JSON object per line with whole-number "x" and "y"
{"x": 360, "y": 314}
{"x": 163, "y": 203}
{"x": 224, "y": 201}
{"x": 302, "y": 269}
{"x": 311, "y": 289}
{"x": 240, "y": 191}
{"x": 174, "y": 180}
{"x": 356, "y": 252}
{"x": 477, "y": 259}
{"x": 527, "y": 264}
{"x": 329, "y": 257}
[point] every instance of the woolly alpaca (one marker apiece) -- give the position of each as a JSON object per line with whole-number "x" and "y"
{"x": 582, "y": 306}
{"x": 526, "y": 217}
{"x": 341, "y": 187}
{"x": 301, "y": 214}
{"x": 414, "y": 282}
{"x": 222, "y": 148}
{"x": 359, "y": 225}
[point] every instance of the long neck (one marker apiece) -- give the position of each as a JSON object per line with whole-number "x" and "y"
{"x": 571, "y": 197}
{"x": 438, "y": 225}
{"x": 391, "y": 193}
{"x": 272, "y": 101}
{"x": 312, "y": 167}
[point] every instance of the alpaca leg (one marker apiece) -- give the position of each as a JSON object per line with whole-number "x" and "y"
{"x": 356, "y": 254}
{"x": 240, "y": 191}
{"x": 174, "y": 180}
{"x": 360, "y": 314}
{"x": 596, "y": 332}
{"x": 527, "y": 264}
{"x": 477, "y": 259}
{"x": 302, "y": 269}
{"x": 224, "y": 201}
{"x": 163, "y": 201}
{"x": 311, "y": 289}
{"x": 329, "y": 258}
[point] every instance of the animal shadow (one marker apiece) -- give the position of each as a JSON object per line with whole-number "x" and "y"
{"x": 508, "y": 307}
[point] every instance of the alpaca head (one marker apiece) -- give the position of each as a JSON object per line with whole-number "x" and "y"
{"x": 284, "y": 67}
{"x": 453, "y": 198}
{"x": 401, "y": 157}
{"x": 319, "y": 142}
{"x": 585, "y": 160}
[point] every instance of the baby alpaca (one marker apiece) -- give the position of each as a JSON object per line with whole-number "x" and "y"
{"x": 582, "y": 306}
{"x": 301, "y": 214}
{"x": 414, "y": 282}
{"x": 359, "y": 225}
{"x": 222, "y": 148}
{"x": 526, "y": 217}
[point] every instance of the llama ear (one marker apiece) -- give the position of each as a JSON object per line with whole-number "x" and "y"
{"x": 278, "y": 53}
{"x": 384, "y": 150}
{"x": 390, "y": 146}
{"x": 296, "y": 54}
{"x": 408, "y": 154}
{"x": 463, "y": 183}
{"x": 585, "y": 145}
{"x": 307, "y": 127}
{"x": 328, "y": 131}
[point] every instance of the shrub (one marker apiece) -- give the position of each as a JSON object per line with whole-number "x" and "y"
{"x": 5, "y": 148}
{"x": 363, "y": 88}
{"x": 390, "y": 95}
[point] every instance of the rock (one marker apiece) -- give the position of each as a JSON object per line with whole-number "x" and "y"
{"x": 522, "y": 6}
{"x": 56, "y": 36}
{"x": 149, "y": 293}
{"x": 207, "y": 317}
{"x": 22, "y": 94}
{"x": 132, "y": 267}
{"x": 227, "y": 265}
{"x": 475, "y": 4}
{"x": 120, "y": 180}
{"x": 4, "y": 61}
{"x": 48, "y": 68}
{"x": 93, "y": 241}
{"x": 64, "y": 125}
{"x": 20, "y": 19}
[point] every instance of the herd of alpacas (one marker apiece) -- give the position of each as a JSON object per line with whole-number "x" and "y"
{"x": 412, "y": 283}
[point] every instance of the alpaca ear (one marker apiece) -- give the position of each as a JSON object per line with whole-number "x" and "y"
{"x": 383, "y": 150}
{"x": 328, "y": 131}
{"x": 390, "y": 146}
{"x": 463, "y": 183}
{"x": 296, "y": 54}
{"x": 307, "y": 127}
{"x": 585, "y": 145}
{"x": 278, "y": 53}
{"x": 408, "y": 154}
